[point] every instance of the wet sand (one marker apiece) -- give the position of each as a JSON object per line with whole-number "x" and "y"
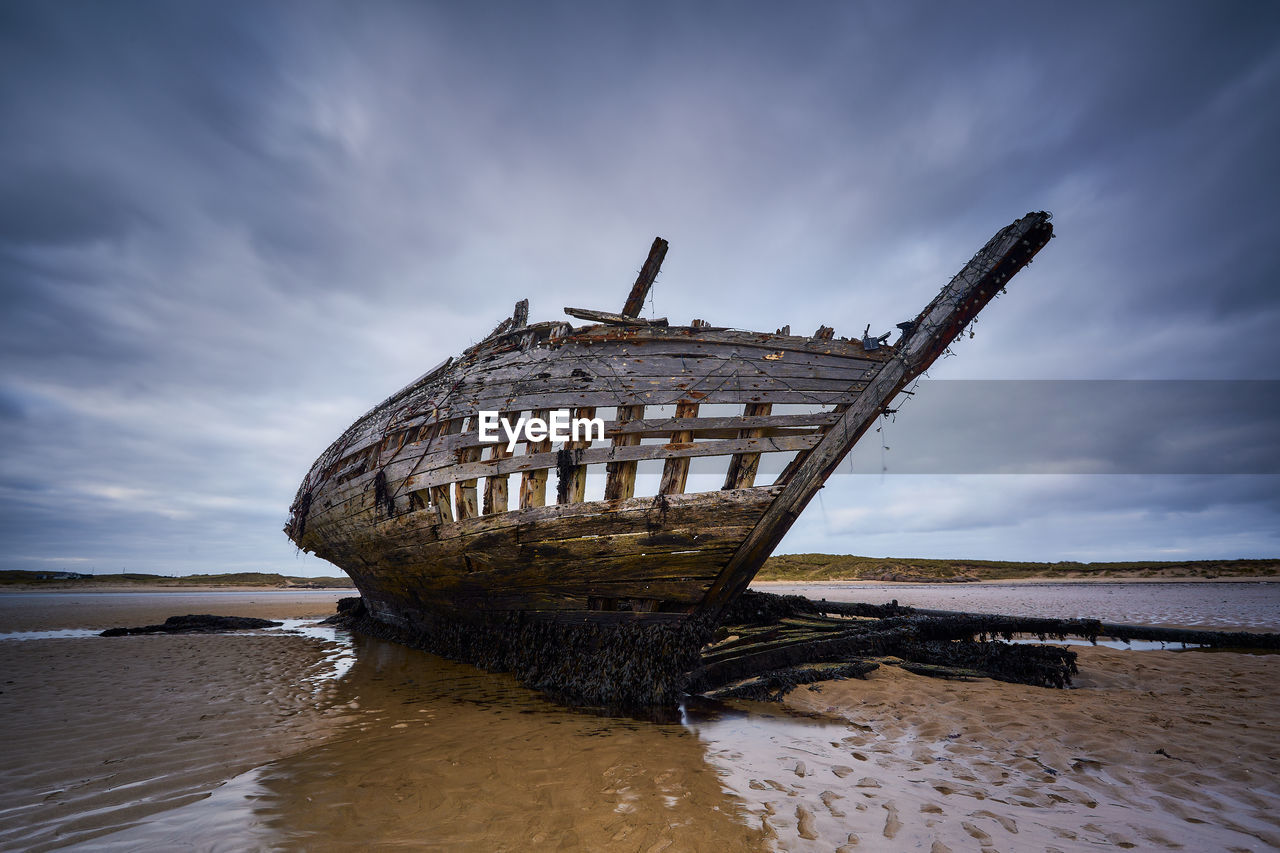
{"x": 43, "y": 611}
{"x": 258, "y": 742}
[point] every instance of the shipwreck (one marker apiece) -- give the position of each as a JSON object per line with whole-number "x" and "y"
{"x": 465, "y": 548}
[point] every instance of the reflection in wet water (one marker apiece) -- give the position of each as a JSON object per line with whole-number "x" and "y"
{"x": 436, "y": 754}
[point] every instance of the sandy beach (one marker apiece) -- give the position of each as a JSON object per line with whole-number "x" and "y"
{"x": 260, "y": 742}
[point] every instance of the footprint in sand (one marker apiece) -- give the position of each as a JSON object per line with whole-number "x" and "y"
{"x": 976, "y": 833}
{"x": 1007, "y": 823}
{"x": 805, "y": 824}
{"x": 891, "y": 822}
{"x": 828, "y": 799}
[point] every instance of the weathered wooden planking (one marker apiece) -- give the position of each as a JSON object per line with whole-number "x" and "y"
{"x": 721, "y": 427}
{"x": 442, "y": 468}
{"x": 675, "y": 471}
{"x": 609, "y": 318}
{"x": 743, "y": 466}
{"x": 436, "y": 389}
{"x": 657, "y": 337}
{"x": 597, "y": 455}
{"x": 533, "y": 484}
{"x": 442, "y": 398}
{"x": 620, "y": 482}
{"x": 691, "y": 515}
{"x": 572, "y": 482}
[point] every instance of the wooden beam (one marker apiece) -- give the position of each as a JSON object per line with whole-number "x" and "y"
{"x": 495, "y": 484}
{"x": 743, "y": 466}
{"x": 648, "y": 272}
{"x": 533, "y": 484}
{"x": 611, "y": 318}
{"x": 675, "y": 473}
{"x": 440, "y": 494}
{"x": 621, "y": 483}
{"x": 574, "y": 487}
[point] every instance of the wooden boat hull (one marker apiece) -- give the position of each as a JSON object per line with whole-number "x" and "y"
{"x": 436, "y": 526}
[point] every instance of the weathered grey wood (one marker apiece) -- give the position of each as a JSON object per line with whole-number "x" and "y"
{"x": 656, "y": 397}
{"x": 706, "y": 510}
{"x": 533, "y": 485}
{"x": 495, "y": 483}
{"x": 743, "y": 466}
{"x": 445, "y": 447}
{"x": 644, "y": 281}
{"x": 464, "y": 491}
{"x": 685, "y": 336}
{"x": 573, "y": 485}
{"x": 611, "y": 318}
{"x": 431, "y": 390}
{"x": 520, "y": 317}
{"x": 620, "y": 483}
{"x": 675, "y": 472}
{"x": 593, "y": 456}
{"x": 472, "y": 467}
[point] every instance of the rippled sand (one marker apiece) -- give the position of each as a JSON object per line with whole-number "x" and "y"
{"x": 261, "y": 742}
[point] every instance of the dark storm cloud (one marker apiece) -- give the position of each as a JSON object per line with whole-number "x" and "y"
{"x": 227, "y": 229}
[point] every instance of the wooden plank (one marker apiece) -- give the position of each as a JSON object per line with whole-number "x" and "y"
{"x": 572, "y": 485}
{"x": 644, "y": 281}
{"x": 675, "y": 472}
{"x": 445, "y": 447}
{"x": 611, "y": 318}
{"x": 495, "y": 483}
{"x": 658, "y": 395}
{"x": 743, "y": 466}
{"x": 694, "y": 515}
{"x": 724, "y": 339}
{"x": 533, "y": 484}
{"x": 621, "y": 481}
{"x": 593, "y": 456}
{"x": 726, "y": 375}
{"x": 470, "y": 466}
{"x": 464, "y": 491}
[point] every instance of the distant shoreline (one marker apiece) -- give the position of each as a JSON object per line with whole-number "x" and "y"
{"x": 817, "y": 568}
{"x": 177, "y": 589}
{"x": 1028, "y": 581}
{"x": 27, "y": 581}
{"x": 779, "y": 569}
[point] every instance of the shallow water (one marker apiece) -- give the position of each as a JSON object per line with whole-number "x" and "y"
{"x": 406, "y": 750}
{"x": 1228, "y": 605}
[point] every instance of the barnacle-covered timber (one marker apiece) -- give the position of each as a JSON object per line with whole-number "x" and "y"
{"x": 463, "y": 547}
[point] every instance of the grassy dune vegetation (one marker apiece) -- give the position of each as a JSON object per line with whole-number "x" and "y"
{"x": 72, "y": 580}
{"x": 833, "y": 567}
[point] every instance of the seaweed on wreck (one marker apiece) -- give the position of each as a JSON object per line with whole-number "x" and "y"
{"x": 765, "y": 646}
{"x": 614, "y": 667}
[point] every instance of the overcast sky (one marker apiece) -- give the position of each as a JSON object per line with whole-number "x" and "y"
{"x": 227, "y": 230}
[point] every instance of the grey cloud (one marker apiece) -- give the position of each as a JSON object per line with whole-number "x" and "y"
{"x": 227, "y": 229}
